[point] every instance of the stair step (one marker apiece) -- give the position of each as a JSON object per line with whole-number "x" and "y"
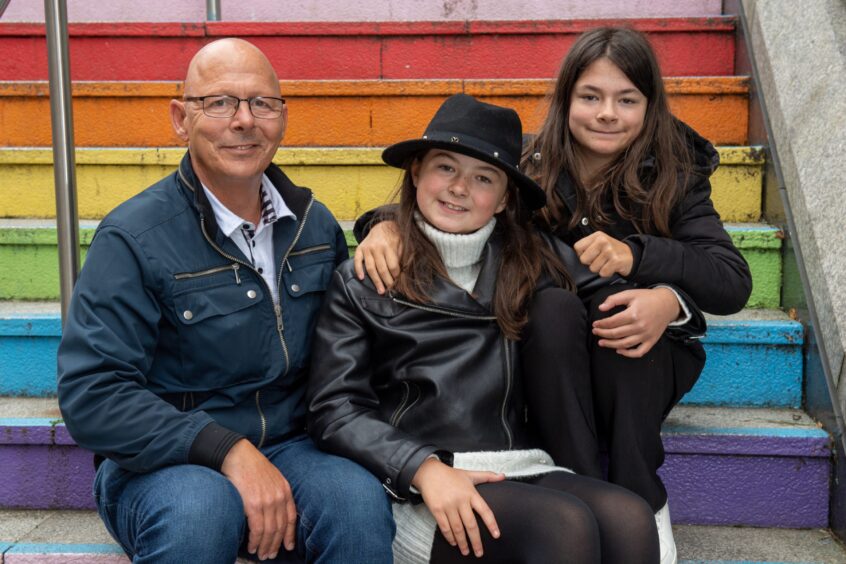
{"x": 31, "y": 245}
{"x": 348, "y": 180}
{"x": 340, "y": 113}
{"x": 363, "y": 50}
{"x": 742, "y": 466}
{"x": 79, "y": 536}
{"x": 373, "y": 10}
{"x": 761, "y": 467}
{"x": 740, "y": 349}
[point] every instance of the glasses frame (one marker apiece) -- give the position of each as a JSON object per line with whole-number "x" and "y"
{"x": 249, "y": 101}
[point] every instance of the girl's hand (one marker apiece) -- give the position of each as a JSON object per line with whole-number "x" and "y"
{"x": 379, "y": 254}
{"x": 636, "y": 329}
{"x": 604, "y": 254}
{"x": 451, "y": 496}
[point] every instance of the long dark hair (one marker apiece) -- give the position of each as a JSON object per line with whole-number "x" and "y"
{"x": 642, "y": 195}
{"x": 525, "y": 257}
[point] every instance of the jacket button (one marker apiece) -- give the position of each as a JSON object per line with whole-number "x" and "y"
{"x": 584, "y": 221}
{"x": 295, "y": 287}
{"x": 251, "y": 294}
{"x": 188, "y": 314}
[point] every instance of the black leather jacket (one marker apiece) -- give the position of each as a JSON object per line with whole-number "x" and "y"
{"x": 393, "y": 381}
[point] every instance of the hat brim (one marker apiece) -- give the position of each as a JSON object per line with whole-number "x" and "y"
{"x": 398, "y": 154}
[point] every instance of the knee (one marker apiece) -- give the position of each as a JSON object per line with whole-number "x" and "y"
{"x": 628, "y": 516}
{"x": 600, "y": 296}
{"x": 557, "y": 314}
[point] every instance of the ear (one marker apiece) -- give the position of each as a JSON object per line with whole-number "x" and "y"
{"x": 178, "y": 116}
{"x": 284, "y": 121}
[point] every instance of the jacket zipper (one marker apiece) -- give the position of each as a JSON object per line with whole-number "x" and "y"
{"x": 401, "y": 413}
{"x": 234, "y": 267}
{"x": 277, "y": 308}
{"x": 405, "y": 395}
{"x": 453, "y": 313}
{"x": 314, "y": 249}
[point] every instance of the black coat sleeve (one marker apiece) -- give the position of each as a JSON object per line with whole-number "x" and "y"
{"x": 343, "y": 408}
{"x": 699, "y": 257}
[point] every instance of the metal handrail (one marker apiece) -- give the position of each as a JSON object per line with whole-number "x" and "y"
{"x": 64, "y": 163}
{"x": 213, "y": 10}
{"x": 3, "y": 5}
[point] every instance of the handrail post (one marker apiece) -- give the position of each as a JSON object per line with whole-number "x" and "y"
{"x": 213, "y": 10}
{"x": 64, "y": 165}
{"x": 3, "y": 5}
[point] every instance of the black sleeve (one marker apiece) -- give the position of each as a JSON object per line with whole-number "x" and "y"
{"x": 370, "y": 218}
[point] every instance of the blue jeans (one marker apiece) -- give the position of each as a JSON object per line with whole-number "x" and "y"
{"x": 190, "y": 513}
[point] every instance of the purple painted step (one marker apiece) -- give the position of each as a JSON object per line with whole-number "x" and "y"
{"x": 727, "y": 466}
{"x": 766, "y": 468}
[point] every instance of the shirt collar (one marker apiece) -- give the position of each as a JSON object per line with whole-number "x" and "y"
{"x": 228, "y": 222}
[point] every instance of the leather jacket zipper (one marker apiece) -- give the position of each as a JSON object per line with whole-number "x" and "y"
{"x": 277, "y": 308}
{"x": 234, "y": 267}
{"x": 404, "y": 406}
{"x": 508, "y": 367}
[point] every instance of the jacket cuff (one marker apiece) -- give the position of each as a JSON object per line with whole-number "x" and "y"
{"x": 366, "y": 221}
{"x": 637, "y": 253}
{"x": 211, "y": 446}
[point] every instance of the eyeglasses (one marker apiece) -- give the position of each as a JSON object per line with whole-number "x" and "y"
{"x": 217, "y": 106}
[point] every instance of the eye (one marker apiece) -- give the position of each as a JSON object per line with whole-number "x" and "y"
{"x": 445, "y": 167}
{"x": 217, "y": 102}
{"x": 260, "y": 103}
{"x": 628, "y": 101}
{"x": 484, "y": 179}
{"x": 589, "y": 97}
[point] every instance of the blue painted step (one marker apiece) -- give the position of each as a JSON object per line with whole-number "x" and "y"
{"x": 754, "y": 357}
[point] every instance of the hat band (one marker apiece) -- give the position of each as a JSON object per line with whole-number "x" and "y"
{"x": 465, "y": 140}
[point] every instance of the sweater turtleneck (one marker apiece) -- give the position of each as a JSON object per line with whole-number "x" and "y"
{"x": 461, "y": 252}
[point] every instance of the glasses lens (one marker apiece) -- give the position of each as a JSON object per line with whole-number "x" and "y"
{"x": 220, "y": 106}
{"x": 266, "y": 107}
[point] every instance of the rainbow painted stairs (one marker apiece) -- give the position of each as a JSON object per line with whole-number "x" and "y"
{"x": 747, "y": 470}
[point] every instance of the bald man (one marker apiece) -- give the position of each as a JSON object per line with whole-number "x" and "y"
{"x": 184, "y": 356}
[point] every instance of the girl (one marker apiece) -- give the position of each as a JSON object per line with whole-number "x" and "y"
{"x": 627, "y": 186}
{"x": 422, "y": 386}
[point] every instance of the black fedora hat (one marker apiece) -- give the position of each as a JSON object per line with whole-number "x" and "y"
{"x": 483, "y": 131}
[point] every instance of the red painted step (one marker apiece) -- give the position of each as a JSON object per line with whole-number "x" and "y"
{"x": 387, "y": 50}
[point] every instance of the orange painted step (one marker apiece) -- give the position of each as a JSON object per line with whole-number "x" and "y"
{"x": 336, "y": 113}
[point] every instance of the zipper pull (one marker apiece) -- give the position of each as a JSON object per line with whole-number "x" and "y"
{"x": 289, "y": 265}
{"x": 236, "y": 267}
{"x": 278, "y": 309}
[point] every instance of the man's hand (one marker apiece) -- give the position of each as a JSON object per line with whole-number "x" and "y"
{"x": 604, "y": 254}
{"x": 379, "y": 254}
{"x": 452, "y": 498}
{"x": 268, "y": 500}
{"x": 636, "y": 329}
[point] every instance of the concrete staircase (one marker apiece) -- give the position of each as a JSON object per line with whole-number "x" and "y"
{"x": 747, "y": 470}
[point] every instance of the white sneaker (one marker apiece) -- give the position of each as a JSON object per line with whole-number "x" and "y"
{"x": 665, "y": 536}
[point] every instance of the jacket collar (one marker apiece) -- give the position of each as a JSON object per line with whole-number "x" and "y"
{"x": 296, "y": 198}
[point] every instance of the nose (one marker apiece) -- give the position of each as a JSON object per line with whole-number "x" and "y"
{"x": 458, "y": 187}
{"x": 243, "y": 116}
{"x": 607, "y": 112}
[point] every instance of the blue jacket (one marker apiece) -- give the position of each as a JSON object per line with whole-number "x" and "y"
{"x": 173, "y": 348}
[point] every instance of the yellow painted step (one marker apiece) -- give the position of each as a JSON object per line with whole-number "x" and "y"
{"x": 348, "y": 180}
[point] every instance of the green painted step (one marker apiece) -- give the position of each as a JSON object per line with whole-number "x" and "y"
{"x": 30, "y": 245}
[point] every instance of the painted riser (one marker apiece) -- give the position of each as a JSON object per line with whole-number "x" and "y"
{"x": 478, "y": 49}
{"x": 62, "y": 554}
{"x": 732, "y": 374}
{"x": 337, "y": 113}
{"x": 35, "y": 276}
{"x": 372, "y": 10}
{"x": 349, "y": 181}
{"x": 784, "y": 491}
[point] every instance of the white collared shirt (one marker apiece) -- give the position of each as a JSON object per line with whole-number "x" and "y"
{"x": 255, "y": 241}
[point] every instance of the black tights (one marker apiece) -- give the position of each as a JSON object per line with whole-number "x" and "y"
{"x": 561, "y": 517}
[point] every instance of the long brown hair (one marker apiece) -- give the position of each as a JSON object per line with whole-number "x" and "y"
{"x": 642, "y": 195}
{"x": 525, "y": 257}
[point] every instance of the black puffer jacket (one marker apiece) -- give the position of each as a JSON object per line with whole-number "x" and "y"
{"x": 699, "y": 257}
{"x": 393, "y": 381}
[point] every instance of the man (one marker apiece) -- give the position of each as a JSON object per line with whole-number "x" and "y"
{"x": 185, "y": 352}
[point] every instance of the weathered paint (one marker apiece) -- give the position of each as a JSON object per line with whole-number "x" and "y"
{"x": 337, "y": 113}
{"x": 732, "y": 374}
{"x": 337, "y": 50}
{"x": 372, "y": 10}
{"x": 36, "y": 274}
{"x": 38, "y": 553}
{"x": 739, "y": 352}
{"x": 761, "y": 247}
{"x": 349, "y": 181}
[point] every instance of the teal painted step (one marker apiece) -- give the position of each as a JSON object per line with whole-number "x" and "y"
{"x": 741, "y": 350}
{"x": 31, "y": 246}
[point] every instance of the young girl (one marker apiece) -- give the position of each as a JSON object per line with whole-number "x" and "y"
{"x": 422, "y": 385}
{"x": 627, "y": 186}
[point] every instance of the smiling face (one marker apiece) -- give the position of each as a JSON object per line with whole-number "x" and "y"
{"x": 606, "y": 114}
{"x": 229, "y": 153}
{"x": 457, "y": 193}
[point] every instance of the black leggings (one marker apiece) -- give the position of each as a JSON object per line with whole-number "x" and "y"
{"x": 561, "y": 517}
